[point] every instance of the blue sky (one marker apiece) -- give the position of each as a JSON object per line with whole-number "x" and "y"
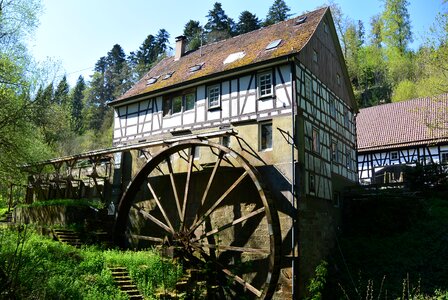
{"x": 78, "y": 32}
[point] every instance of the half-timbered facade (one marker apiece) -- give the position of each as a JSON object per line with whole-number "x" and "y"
{"x": 235, "y": 155}
{"x": 401, "y": 134}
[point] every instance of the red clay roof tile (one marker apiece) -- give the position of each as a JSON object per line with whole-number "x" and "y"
{"x": 409, "y": 123}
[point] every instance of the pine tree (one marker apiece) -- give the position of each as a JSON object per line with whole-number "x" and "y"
{"x": 77, "y": 105}
{"x": 162, "y": 43}
{"x": 193, "y": 34}
{"x": 277, "y": 12}
{"x": 219, "y": 26}
{"x": 375, "y": 23}
{"x": 247, "y": 22}
{"x": 61, "y": 93}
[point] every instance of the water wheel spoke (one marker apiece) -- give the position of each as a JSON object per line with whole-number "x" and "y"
{"x": 230, "y": 224}
{"x": 152, "y": 218}
{"x": 228, "y": 273}
{"x": 173, "y": 186}
{"x": 233, "y": 248}
{"x": 187, "y": 183}
{"x": 218, "y": 202}
{"x": 146, "y": 238}
{"x": 159, "y": 205}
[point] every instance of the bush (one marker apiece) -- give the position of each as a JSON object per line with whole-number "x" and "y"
{"x": 36, "y": 267}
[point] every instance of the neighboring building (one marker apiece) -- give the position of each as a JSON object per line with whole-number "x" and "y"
{"x": 401, "y": 134}
{"x": 233, "y": 157}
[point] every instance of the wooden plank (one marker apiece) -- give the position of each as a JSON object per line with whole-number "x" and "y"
{"x": 173, "y": 185}
{"x": 156, "y": 199}
{"x": 152, "y": 218}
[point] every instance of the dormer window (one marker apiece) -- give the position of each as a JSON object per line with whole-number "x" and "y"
{"x": 152, "y": 80}
{"x": 265, "y": 88}
{"x": 168, "y": 75}
{"x": 233, "y": 57}
{"x": 196, "y": 67}
{"x": 301, "y": 20}
{"x": 273, "y": 44}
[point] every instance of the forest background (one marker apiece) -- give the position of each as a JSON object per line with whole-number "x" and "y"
{"x": 42, "y": 118}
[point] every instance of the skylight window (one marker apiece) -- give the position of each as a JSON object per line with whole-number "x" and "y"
{"x": 196, "y": 67}
{"x": 301, "y": 20}
{"x": 152, "y": 80}
{"x": 168, "y": 75}
{"x": 234, "y": 56}
{"x": 273, "y": 44}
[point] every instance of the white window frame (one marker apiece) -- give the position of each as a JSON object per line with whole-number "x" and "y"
{"x": 444, "y": 157}
{"x": 261, "y": 145}
{"x": 262, "y": 88}
{"x": 394, "y": 153}
{"x": 212, "y": 88}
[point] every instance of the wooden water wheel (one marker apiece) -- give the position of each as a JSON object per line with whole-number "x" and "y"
{"x": 208, "y": 204}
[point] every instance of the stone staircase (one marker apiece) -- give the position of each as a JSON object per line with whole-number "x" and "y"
{"x": 67, "y": 236}
{"x": 124, "y": 282}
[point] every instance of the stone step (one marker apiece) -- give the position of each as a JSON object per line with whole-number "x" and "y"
{"x": 124, "y": 282}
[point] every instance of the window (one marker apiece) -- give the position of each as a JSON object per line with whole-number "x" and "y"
{"x": 265, "y": 85}
{"x": 166, "y": 106}
{"x": 394, "y": 155}
{"x": 338, "y": 79}
{"x": 308, "y": 91}
{"x": 176, "y": 104}
{"x": 336, "y": 199}
{"x": 316, "y": 141}
{"x": 189, "y": 101}
{"x": 315, "y": 56}
{"x": 214, "y": 96}
{"x": 325, "y": 27}
{"x": 332, "y": 106}
{"x": 265, "y": 136}
{"x": 444, "y": 157}
{"x": 273, "y": 44}
{"x": 225, "y": 141}
{"x": 348, "y": 159}
{"x": 311, "y": 183}
{"x": 197, "y": 153}
{"x": 334, "y": 152}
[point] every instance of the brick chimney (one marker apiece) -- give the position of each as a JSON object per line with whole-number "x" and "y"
{"x": 181, "y": 42}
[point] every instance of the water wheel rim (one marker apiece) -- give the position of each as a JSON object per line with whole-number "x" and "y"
{"x": 268, "y": 208}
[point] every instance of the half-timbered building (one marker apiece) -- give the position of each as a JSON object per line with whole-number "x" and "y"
{"x": 393, "y": 135}
{"x": 235, "y": 156}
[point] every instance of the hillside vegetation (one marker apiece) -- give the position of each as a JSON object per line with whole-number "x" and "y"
{"x": 392, "y": 249}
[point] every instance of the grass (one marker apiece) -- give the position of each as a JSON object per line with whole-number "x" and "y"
{"x": 36, "y": 267}
{"x": 394, "y": 249}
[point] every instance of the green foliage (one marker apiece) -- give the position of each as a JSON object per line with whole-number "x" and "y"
{"x": 396, "y": 25}
{"x": 193, "y": 34}
{"x": 219, "y": 26}
{"x": 405, "y": 90}
{"x": 35, "y": 267}
{"x": 247, "y": 22}
{"x": 278, "y": 12}
{"x": 317, "y": 283}
{"x": 391, "y": 241}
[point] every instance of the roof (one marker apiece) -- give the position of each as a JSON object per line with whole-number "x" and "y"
{"x": 422, "y": 121}
{"x": 293, "y": 38}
